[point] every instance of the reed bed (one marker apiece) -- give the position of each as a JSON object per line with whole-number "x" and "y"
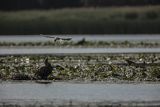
{"x": 112, "y": 20}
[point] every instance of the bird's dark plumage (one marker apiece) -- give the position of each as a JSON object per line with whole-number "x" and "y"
{"x": 44, "y": 71}
{"x": 130, "y": 62}
{"x": 142, "y": 65}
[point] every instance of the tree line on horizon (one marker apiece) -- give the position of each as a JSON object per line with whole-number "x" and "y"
{"x": 56, "y": 4}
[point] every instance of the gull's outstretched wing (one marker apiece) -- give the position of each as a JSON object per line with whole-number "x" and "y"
{"x": 66, "y": 39}
{"x": 58, "y": 38}
{"x": 47, "y": 36}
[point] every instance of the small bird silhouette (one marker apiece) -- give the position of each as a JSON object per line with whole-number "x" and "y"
{"x": 44, "y": 71}
{"x": 142, "y": 65}
{"x": 58, "y": 38}
{"x": 130, "y": 62}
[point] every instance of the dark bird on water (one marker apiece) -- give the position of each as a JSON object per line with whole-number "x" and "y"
{"x": 44, "y": 71}
{"x": 130, "y": 62}
{"x": 136, "y": 64}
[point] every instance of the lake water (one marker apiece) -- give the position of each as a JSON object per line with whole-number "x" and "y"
{"x": 58, "y": 92}
{"x": 20, "y": 38}
{"x": 61, "y": 51}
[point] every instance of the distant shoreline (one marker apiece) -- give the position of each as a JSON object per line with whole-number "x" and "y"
{"x": 112, "y": 20}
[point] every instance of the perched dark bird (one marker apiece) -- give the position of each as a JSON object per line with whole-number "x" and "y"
{"x": 44, "y": 71}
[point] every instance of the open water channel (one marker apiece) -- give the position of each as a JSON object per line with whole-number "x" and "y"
{"x": 64, "y": 93}
{"x": 23, "y": 38}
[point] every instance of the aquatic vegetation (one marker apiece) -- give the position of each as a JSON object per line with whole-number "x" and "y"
{"x": 85, "y": 43}
{"x": 95, "y": 67}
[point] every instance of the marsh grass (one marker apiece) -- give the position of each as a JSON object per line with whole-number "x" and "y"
{"x": 113, "y": 20}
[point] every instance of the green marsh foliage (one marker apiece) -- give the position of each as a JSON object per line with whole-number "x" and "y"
{"x": 112, "y": 20}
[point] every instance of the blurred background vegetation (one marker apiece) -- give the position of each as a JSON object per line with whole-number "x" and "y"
{"x": 79, "y": 17}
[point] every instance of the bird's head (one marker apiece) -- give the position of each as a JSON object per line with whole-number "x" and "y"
{"x": 48, "y": 64}
{"x": 46, "y": 61}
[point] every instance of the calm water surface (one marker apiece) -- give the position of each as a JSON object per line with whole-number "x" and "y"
{"x": 85, "y": 92}
{"x": 60, "y": 51}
